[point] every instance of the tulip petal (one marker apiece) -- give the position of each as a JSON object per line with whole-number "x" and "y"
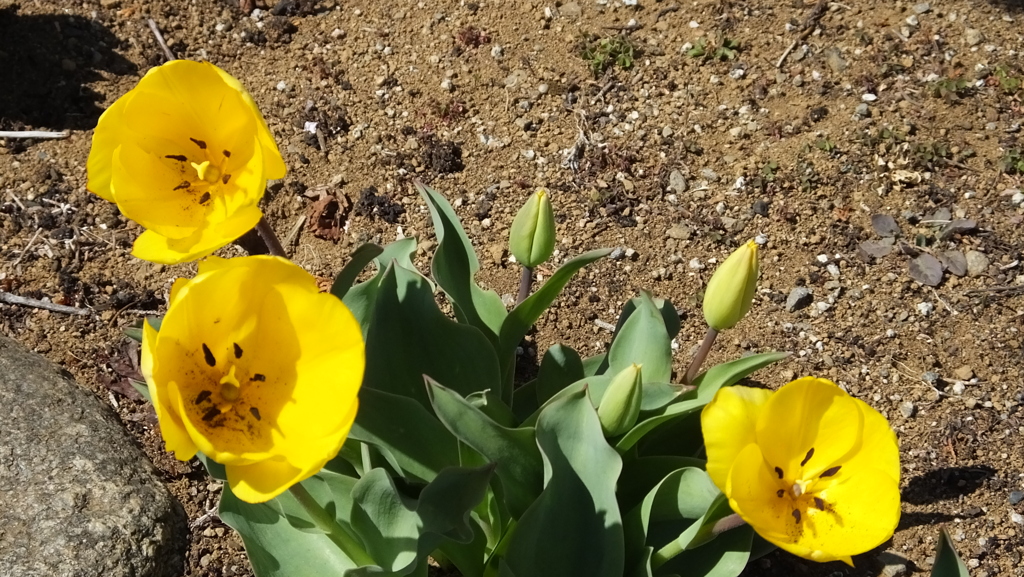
{"x": 752, "y": 488}
{"x": 261, "y": 482}
{"x": 153, "y": 247}
{"x": 109, "y": 133}
{"x": 146, "y": 190}
{"x": 862, "y": 511}
{"x": 172, "y": 429}
{"x": 808, "y": 426}
{"x": 729, "y": 423}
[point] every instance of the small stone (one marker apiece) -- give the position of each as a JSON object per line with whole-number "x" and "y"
{"x": 677, "y": 182}
{"x": 869, "y": 97}
{"x": 871, "y": 250}
{"x": 695, "y": 264}
{"x": 1016, "y": 497}
{"x": 970, "y": 402}
{"x": 760, "y": 207}
{"x": 913, "y": 20}
{"x": 926, "y": 269}
{"x": 954, "y": 261}
{"x": 1017, "y": 198}
{"x": 497, "y": 51}
{"x": 973, "y": 36}
{"x": 446, "y": 84}
{"x": 617, "y": 253}
{"x": 925, "y": 308}
{"x": 800, "y": 297}
{"x": 570, "y": 10}
{"x": 1017, "y": 518}
{"x": 709, "y": 175}
{"x": 964, "y": 373}
{"x": 680, "y": 232}
{"x": 631, "y": 254}
{"x": 907, "y": 409}
{"x": 884, "y": 225}
{"x": 834, "y": 59}
{"x": 930, "y": 377}
{"x": 862, "y": 111}
{"x": 922, "y": 8}
{"x": 958, "y": 226}
{"x": 958, "y": 388}
{"x": 977, "y": 263}
{"x": 543, "y": 89}
{"x": 282, "y": 86}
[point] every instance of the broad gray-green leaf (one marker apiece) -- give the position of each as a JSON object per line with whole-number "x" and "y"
{"x": 358, "y": 260}
{"x": 668, "y": 314}
{"x": 726, "y": 556}
{"x": 574, "y": 528}
{"x": 419, "y": 443}
{"x": 644, "y": 340}
{"x": 278, "y": 547}
{"x": 707, "y": 384}
{"x": 455, "y": 265}
{"x": 360, "y": 298}
{"x": 520, "y": 468}
{"x": 560, "y": 367}
{"x": 399, "y": 532}
{"x": 594, "y": 365}
{"x": 645, "y": 473}
{"x": 947, "y": 562}
{"x": 527, "y": 312}
{"x": 409, "y": 338}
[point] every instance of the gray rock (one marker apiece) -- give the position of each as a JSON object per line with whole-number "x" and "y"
{"x": 870, "y": 250}
{"x": 958, "y": 226}
{"x": 930, "y": 377}
{"x": 973, "y": 36}
{"x": 907, "y": 409}
{"x": 79, "y": 497}
{"x": 926, "y": 269}
{"x": 1016, "y": 497}
{"x": 677, "y": 182}
{"x": 954, "y": 261}
{"x": 680, "y": 232}
{"x": 709, "y": 174}
{"x": 570, "y": 10}
{"x": 922, "y": 7}
{"x": 834, "y": 59}
{"x": 884, "y": 225}
{"x": 760, "y": 207}
{"x": 799, "y": 298}
{"x": 862, "y": 111}
{"x": 617, "y": 253}
{"x": 977, "y": 263}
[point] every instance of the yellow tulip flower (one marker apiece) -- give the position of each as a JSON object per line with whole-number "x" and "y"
{"x": 810, "y": 468}
{"x": 257, "y": 369}
{"x": 187, "y": 155}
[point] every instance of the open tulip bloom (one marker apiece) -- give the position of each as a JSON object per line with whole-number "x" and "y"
{"x": 810, "y": 468}
{"x": 187, "y": 155}
{"x": 257, "y": 369}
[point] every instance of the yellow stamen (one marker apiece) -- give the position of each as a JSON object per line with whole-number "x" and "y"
{"x": 206, "y": 171}
{"x": 229, "y": 386}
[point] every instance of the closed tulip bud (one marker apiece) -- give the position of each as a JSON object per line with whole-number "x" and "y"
{"x": 532, "y": 238}
{"x": 620, "y": 405}
{"x": 730, "y": 291}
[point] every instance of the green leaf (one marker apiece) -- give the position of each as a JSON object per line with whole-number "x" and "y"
{"x": 409, "y": 338}
{"x": 360, "y": 298}
{"x": 707, "y": 384}
{"x": 455, "y": 265}
{"x": 213, "y": 468}
{"x": 527, "y": 312}
{"x": 699, "y": 533}
{"x": 524, "y": 400}
{"x": 275, "y": 545}
{"x": 574, "y": 528}
{"x": 595, "y": 364}
{"x": 726, "y": 556}
{"x": 643, "y": 474}
{"x": 142, "y": 388}
{"x": 643, "y": 340}
{"x": 491, "y": 405}
{"x": 400, "y": 532}
{"x": 520, "y": 468}
{"x": 947, "y": 562}
{"x": 358, "y": 260}
{"x": 417, "y": 441}
{"x": 560, "y": 367}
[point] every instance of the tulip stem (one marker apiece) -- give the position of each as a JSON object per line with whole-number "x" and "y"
{"x": 270, "y": 238}
{"x": 329, "y": 525}
{"x": 702, "y": 353}
{"x": 525, "y": 282}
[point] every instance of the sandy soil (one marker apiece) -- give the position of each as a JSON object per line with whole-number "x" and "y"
{"x": 695, "y": 137}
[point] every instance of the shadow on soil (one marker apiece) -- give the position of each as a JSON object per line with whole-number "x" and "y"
{"x": 946, "y": 483}
{"x": 48, "y": 61}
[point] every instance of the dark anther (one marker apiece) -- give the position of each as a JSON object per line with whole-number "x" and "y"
{"x": 225, "y": 178}
{"x": 819, "y": 503}
{"x": 205, "y": 198}
{"x": 808, "y": 457}
{"x": 778, "y": 472}
{"x": 183, "y": 185}
{"x": 178, "y": 157}
{"x": 796, "y": 515}
{"x": 238, "y": 351}
{"x": 780, "y": 493}
{"x": 255, "y": 413}
{"x": 202, "y": 397}
{"x": 198, "y": 142}
{"x": 259, "y": 377}
{"x": 208, "y": 356}
{"x": 227, "y": 154}
{"x": 209, "y": 415}
{"x": 832, "y": 471}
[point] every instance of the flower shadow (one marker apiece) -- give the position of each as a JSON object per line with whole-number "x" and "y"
{"x": 49, "y": 62}
{"x": 946, "y": 483}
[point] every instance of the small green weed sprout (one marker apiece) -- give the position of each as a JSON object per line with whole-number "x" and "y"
{"x": 603, "y": 53}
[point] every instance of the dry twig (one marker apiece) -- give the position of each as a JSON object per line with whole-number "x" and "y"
{"x": 44, "y": 134}
{"x": 809, "y": 25}
{"x": 160, "y": 40}
{"x": 53, "y": 307}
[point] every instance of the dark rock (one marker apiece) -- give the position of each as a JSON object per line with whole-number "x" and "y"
{"x": 1016, "y": 497}
{"x": 884, "y": 225}
{"x": 870, "y": 250}
{"x": 958, "y": 226}
{"x": 954, "y": 261}
{"x": 79, "y": 497}
{"x": 799, "y": 298}
{"x": 926, "y": 269}
{"x": 760, "y": 207}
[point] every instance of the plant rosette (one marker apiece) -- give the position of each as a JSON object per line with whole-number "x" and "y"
{"x": 187, "y": 155}
{"x": 257, "y": 369}
{"x": 810, "y": 468}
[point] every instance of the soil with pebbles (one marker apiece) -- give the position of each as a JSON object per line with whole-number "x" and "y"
{"x": 879, "y": 108}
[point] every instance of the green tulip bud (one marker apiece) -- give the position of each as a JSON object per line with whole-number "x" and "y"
{"x": 532, "y": 238}
{"x": 620, "y": 405}
{"x": 730, "y": 291}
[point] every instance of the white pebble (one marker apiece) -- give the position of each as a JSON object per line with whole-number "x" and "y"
{"x": 925, "y": 308}
{"x": 959, "y": 388}
{"x": 822, "y": 258}
{"x": 282, "y": 86}
{"x": 869, "y": 97}
{"x": 695, "y": 264}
